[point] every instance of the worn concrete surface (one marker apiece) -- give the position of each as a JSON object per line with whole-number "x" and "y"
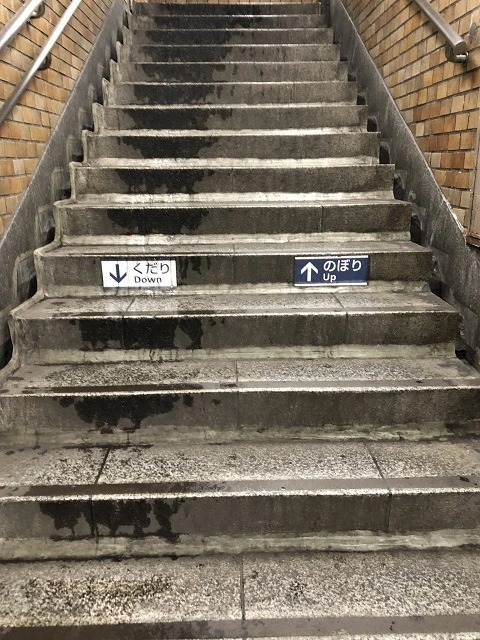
{"x": 234, "y": 206}
{"x": 143, "y": 591}
{"x": 381, "y": 584}
{"x": 413, "y": 592}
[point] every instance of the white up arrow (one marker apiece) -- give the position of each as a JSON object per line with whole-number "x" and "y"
{"x": 309, "y": 268}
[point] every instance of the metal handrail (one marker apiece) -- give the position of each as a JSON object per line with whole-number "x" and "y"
{"x": 32, "y": 9}
{"x": 39, "y": 62}
{"x": 456, "y": 49}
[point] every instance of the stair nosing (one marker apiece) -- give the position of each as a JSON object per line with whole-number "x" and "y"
{"x": 233, "y": 105}
{"x": 234, "y": 133}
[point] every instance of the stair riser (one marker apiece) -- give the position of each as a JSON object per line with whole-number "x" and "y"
{"x": 222, "y": 36}
{"x": 326, "y": 328}
{"x": 151, "y": 417}
{"x": 269, "y": 53}
{"x": 169, "y": 518}
{"x": 227, "y": 22}
{"x": 196, "y": 270}
{"x": 232, "y": 72}
{"x": 160, "y": 9}
{"x": 163, "y": 94}
{"x": 189, "y": 181}
{"x": 257, "y": 146}
{"x": 199, "y": 221}
{"x": 233, "y": 118}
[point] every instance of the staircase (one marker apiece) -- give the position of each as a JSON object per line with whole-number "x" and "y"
{"x": 236, "y": 457}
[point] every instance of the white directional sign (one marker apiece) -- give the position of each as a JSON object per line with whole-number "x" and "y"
{"x": 132, "y": 274}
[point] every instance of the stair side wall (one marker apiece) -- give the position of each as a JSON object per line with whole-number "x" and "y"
{"x": 24, "y": 135}
{"x": 30, "y": 224}
{"x": 439, "y": 100}
{"x": 456, "y": 274}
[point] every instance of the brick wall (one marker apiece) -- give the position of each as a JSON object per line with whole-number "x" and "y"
{"x": 439, "y": 100}
{"x": 24, "y": 135}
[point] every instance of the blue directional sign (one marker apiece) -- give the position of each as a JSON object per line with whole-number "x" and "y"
{"x": 315, "y": 271}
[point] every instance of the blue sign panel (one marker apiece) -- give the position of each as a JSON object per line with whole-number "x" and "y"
{"x": 331, "y": 271}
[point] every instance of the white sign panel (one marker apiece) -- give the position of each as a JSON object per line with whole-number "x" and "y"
{"x": 132, "y": 274}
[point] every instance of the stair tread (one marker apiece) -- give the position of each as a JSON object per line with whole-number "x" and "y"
{"x": 428, "y": 465}
{"x": 294, "y": 303}
{"x": 245, "y": 3}
{"x": 285, "y": 30}
{"x": 233, "y": 105}
{"x": 229, "y": 163}
{"x": 193, "y": 133}
{"x": 341, "y": 593}
{"x": 198, "y": 20}
{"x": 251, "y": 63}
{"x": 219, "y": 199}
{"x": 241, "y": 245}
{"x": 241, "y": 375}
{"x": 232, "y": 45}
{"x": 229, "y": 83}
{"x": 230, "y": 16}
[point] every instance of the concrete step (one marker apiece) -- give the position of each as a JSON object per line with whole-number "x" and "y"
{"x": 229, "y": 93}
{"x": 151, "y": 402}
{"x": 231, "y": 116}
{"x": 244, "y": 21}
{"x": 253, "y": 593}
{"x": 56, "y": 328}
{"x": 224, "y": 175}
{"x": 228, "y": 53}
{"x": 422, "y": 594}
{"x": 105, "y": 221}
{"x": 238, "y": 263}
{"x": 229, "y": 9}
{"x": 229, "y": 71}
{"x": 176, "y": 494}
{"x": 317, "y": 35}
{"x": 257, "y": 143}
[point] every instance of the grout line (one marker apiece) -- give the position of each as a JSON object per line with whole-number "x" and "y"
{"x": 390, "y": 496}
{"x": 102, "y": 465}
{"x": 375, "y": 461}
{"x": 242, "y": 588}
{"x": 95, "y": 532}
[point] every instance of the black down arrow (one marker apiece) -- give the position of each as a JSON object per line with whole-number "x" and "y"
{"x": 118, "y": 278}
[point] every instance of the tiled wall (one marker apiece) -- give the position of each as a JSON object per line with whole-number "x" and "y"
{"x": 24, "y": 135}
{"x": 227, "y": 1}
{"x": 439, "y": 100}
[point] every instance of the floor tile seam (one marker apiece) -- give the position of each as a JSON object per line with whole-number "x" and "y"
{"x": 242, "y": 592}
{"x": 388, "y": 508}
{"x": 102, "y": 466}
